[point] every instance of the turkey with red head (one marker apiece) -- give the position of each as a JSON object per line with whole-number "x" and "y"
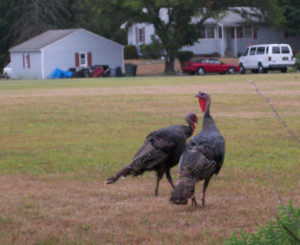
{"x": 160, "y": 152}
{"x": 202, "y": 158}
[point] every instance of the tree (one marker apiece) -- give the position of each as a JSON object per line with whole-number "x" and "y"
{"x": 101, "y": 17}
{"x": 32, "y": 17}
{"x": 178, "y": 30}
{"x": 292, "y": 15}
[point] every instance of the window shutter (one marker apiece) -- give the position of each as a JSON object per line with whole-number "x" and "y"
{"x": 144, "y": 36}
{"x": 137, "y": 35}
{"x": 28, "y": 61}
{"x": 76, "y": 59}
{"x": 232, "y": 32}
{"x": 89, "y": 59}
{"x": 255, "y": 34}
{"x": 24, "y": 61}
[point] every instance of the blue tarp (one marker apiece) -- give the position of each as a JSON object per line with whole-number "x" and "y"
{"x": 58, "y": 73}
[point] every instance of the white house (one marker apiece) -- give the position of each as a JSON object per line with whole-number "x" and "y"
{"x": 227, "y": 36}
{"x": 38, "y": 57}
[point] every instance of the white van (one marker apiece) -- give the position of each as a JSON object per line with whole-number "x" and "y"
{"x": 265, "y": 57}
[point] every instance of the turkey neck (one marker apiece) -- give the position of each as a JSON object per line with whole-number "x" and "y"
{"x": 208, "y": 121}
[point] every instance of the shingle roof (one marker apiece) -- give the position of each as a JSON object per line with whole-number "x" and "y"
{"x": 42, "y": 40}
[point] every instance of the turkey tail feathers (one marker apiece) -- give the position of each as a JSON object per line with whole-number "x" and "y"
{"x": 123, "y": 172}
{"x": 184, "y": 190}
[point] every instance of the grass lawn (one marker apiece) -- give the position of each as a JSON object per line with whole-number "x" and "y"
{"x": 60, "y": 140}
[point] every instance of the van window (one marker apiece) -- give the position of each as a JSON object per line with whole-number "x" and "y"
{"x": 285, "y": 50}
{"x": 260, "y": 50}
{"x": 246, "y": 52}
{"x": 252, "y": 51}
{"x": 275, "y": 50}
{"x": 267, "y": 51}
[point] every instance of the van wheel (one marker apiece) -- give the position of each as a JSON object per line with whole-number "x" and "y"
{"x": 260, "y": 68}
{"x": 200, "y": 71}
{"x": 242, "y": 69}
{"x": 284, "y": 70}
{"x": 231, "y": 70}
{"x": 5, "y": 75}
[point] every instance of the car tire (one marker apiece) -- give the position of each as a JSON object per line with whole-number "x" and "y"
{"x": 260, "y": 68}
{"x": 200, "y": 71}
{"x": 231, "y": 70}
{"x": 283, "y": 70}
{"x": 242, "y": 69}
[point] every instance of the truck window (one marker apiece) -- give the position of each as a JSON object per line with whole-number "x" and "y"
{"x": 252, "y": 51}
{"x": 246, "y": 52}
{"x": 285, "y": 50}
{"x": 275, "y": 50}
{"x": 260, "y": 50}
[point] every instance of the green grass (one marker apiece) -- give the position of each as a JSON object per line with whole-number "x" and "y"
{"x": 50, "y": 134}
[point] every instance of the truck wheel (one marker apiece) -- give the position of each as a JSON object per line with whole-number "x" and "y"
{"x": 242, "y": 69}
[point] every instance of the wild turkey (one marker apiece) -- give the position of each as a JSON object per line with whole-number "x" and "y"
{"x": 202, "y": 157}
{"x": 160, "y": 152}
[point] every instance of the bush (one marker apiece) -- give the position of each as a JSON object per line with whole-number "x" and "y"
{"x": 297, "y": 64}
{"x": 130, "y": 52}
{"x": 285, "y": 230}
{"x": 153, "y": 50}
{"x": 184, "y": 56}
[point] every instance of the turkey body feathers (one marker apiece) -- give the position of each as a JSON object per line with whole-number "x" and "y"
{"x": 160, "y": 151}
{"x": 202, "y": 158}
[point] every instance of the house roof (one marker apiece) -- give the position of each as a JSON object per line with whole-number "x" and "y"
{"x": 47, "y": 38}
{"x": 42, "y": 40}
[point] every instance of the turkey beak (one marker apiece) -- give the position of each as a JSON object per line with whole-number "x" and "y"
{"x": 198, "y": 95}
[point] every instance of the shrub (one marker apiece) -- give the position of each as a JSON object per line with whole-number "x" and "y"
{"x": 297, "y": 65}
{"x": 153, "y": 50}
{"x": 285, "y": 230}
{"x": 130, "y": 52}
{"x": 184, "y": 56}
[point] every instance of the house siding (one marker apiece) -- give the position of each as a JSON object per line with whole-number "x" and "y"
{"x": 34, "y": 71}
{"x": 228, "y": 44}
{"x": 61, "y": 54}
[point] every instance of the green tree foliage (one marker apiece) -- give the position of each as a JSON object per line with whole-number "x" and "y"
{"x": 184, "y": 56}
{"x": 284, "y": 231}
{"x": 292, "y": 15}
{"x": 101, "y": 17}
{"x": 177, "y": 29}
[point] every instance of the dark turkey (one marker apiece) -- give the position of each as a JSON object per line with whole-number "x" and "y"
{"x": 160, "y": 152}
{"x": 202, "y": 158}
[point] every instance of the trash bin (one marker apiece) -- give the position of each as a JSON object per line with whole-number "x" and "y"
{"x": 130, "y": 70}
{"x": 113, "y": 71}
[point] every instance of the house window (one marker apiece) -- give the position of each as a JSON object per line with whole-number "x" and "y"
{"x": 140, "y": 35}
{"x": 248, "y": 31}
{"x": 26, "y": 61}
{"x": 83, "y": 59}
{"x": 202, "y": 33}
{"x": 210, "y": 32}
{"x": 239, "y": 32}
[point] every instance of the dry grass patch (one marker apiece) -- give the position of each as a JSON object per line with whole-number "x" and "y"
{"x": 128, "y": 213}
